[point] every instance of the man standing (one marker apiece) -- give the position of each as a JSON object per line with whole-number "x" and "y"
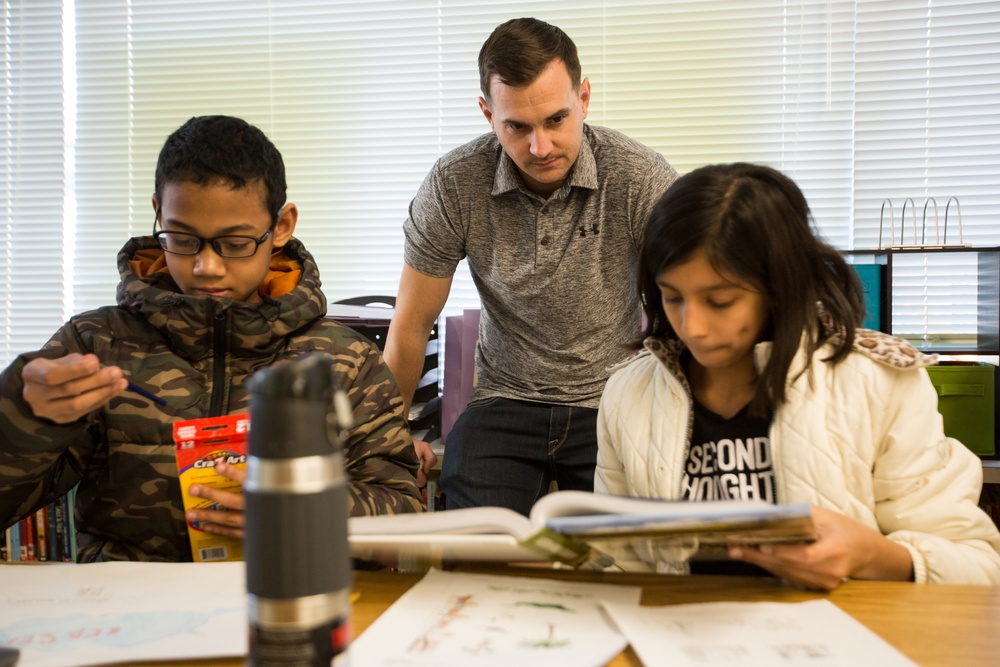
{"x": 550, "y": 213}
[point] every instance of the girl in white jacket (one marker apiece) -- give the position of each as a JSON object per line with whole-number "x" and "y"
{"x": 756, "y": 382}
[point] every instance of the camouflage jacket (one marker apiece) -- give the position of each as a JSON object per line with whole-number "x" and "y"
{"x": 195, "y": 352}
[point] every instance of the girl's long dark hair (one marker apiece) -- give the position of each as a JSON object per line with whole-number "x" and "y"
{"x": 754, "y": 224}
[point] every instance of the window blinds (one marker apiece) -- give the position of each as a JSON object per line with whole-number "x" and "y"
{"x": 926, "y": 130}
{"x": 34, "y": 187}
{"x": 858, "y": 101}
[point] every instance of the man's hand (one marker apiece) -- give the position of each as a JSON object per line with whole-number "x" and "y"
{"x": 65, "y": 389}
{"x": 228, "y": 521}
{"x": 427, "y": 460}
{"x": 844, "y": 548}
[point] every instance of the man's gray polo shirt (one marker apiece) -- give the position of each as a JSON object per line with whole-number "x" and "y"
{"x": 556, "y": 277}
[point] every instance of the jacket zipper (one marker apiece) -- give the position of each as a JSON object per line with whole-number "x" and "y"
{"x": 218, "y": 364}
{"x": 680, "y": 458}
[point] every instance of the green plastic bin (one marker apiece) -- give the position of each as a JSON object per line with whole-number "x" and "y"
{"x": 967, "y": 402}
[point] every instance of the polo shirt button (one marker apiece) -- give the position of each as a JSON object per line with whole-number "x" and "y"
{"x": 545, "y": 240}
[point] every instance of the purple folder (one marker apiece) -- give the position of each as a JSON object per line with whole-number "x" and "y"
{"x": 461, "y": 334}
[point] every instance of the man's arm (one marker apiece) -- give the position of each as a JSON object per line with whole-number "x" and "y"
{"x": 419, "y": 302}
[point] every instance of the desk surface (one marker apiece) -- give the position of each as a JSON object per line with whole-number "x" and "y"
{"x": 934, "y": 625}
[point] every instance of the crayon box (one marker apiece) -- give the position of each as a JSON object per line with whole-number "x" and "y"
{"x": 200, "y": 444}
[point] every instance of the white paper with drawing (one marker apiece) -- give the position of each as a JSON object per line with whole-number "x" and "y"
{"x": 475, "y": 620}
{"x": 752, "y": 634}
{"x": 60, "y": 615}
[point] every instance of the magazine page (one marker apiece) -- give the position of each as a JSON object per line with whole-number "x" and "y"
{"x": 470, "y": 520}
{"x": 723, "y": 521}
{"x": 582, "y": 530}
{"x": 774, "y": 523}
{"x": 581, "y": 503}
{"x": 415, "y": 542}
{"x": 490, "y": 534}
{"x": 641, "y": 534}
{"x": 417, "y": 552}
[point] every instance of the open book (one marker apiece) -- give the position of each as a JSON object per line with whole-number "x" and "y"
{"x": 573, "y": 527}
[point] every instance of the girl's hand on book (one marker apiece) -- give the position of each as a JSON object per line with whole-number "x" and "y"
{"x": 844, "y": 549}
{"x": 229, "y": 521}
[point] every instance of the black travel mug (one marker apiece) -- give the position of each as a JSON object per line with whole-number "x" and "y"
{"x": 297, "y": 560}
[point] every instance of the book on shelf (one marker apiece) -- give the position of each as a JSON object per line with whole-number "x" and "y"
{"x": 43, "y": 535}
{"x": 579, "y": 529}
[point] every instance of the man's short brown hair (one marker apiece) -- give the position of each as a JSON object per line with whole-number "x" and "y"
{"x": 517, "y": 51}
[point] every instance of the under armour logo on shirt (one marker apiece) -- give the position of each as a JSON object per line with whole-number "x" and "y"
{"x": 594, "y": 230}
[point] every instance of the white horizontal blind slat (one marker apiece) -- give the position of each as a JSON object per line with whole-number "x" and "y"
{"x": 32, "y": 176}
{"x": 857, "y": 101}
{"x": 926, "y": 130}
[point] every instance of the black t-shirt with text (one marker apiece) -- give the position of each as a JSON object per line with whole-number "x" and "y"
{"x": 729, "y": 459}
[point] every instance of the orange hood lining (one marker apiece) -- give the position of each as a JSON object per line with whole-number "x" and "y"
{"x": 282, "y": 276}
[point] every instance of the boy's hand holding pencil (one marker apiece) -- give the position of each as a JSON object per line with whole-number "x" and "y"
{"x": 65, "y": 389}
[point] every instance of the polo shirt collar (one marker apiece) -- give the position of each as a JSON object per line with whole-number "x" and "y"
{"x": 582, "y": 175}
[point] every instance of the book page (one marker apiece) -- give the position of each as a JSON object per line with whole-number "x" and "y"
{"x": 469, "y": 520}
{"x": 64, "y": 615}
{"x": 581, "y": 503}
{"x": 579, "y": 529}
{"x": 479, "y": 620}
{"x": 711, "y": 522}
{"x": 414, "y": 542}
{"x": 752, "y": 634}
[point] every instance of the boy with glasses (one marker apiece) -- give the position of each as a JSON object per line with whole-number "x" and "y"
{"x": 220, "y": 290}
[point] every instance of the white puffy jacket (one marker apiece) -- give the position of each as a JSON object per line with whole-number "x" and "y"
{"x": 862, "y": 437}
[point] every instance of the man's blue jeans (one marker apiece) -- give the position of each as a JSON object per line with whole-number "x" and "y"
{"x": 506, "y": 453}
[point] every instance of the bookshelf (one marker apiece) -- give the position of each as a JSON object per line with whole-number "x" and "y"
{"x": 47, "y": 534}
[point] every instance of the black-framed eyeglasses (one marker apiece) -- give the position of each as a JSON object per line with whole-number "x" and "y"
{"x": 231, "y": 245}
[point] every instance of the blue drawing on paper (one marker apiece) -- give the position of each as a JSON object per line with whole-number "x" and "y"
{"x": 110, "y": 630}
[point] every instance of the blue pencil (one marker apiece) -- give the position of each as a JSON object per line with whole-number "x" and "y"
{"x": 142, "y": 392}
